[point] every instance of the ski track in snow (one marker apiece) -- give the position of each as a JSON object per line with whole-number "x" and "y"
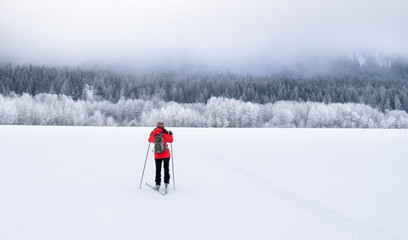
{"x": 324, "y": 213}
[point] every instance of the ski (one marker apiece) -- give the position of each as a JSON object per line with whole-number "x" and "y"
{"x": 162, "y": 193}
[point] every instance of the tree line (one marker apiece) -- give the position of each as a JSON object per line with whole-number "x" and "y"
{"x": 381, "y": 87}
{"x": 52, "y": 109}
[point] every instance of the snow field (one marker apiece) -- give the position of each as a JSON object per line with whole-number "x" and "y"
{"x": 83, "y": 183}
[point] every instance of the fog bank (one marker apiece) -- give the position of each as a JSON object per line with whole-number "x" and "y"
{"x": 246, "y": 36}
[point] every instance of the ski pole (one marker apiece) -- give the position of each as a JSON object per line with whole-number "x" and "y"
{"x": 147, "y": 154}
{"x": 172, "y": 166}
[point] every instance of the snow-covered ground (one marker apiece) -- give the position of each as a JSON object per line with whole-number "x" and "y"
{"x": 83, "y": 183}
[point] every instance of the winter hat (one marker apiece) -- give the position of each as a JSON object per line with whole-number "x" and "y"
{"x": 160, "y": 125}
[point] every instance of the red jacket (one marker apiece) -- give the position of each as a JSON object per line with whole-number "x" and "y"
{"x": 166, "y": 139}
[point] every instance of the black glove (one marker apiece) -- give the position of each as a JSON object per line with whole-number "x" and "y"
{"x": 170, "y": 133}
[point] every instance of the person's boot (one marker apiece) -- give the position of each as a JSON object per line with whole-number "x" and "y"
{"x": 157, "y": 187}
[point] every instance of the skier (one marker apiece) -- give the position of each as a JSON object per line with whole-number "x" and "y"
{"x": 161, "y": 152}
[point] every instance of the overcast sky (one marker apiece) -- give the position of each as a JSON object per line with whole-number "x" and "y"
{"x": 221, "y": 34}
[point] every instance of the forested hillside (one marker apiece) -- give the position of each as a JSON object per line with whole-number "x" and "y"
{"x": 352, "y": 94}
{"x": 381, "y": 86}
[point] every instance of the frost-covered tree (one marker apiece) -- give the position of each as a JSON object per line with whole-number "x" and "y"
{"x": 371, "y": 84}
{"x": 51, "y": 109}
{"x": 8, "y": 112}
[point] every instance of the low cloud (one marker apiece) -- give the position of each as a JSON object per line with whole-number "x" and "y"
{"x": 220, "y": 35}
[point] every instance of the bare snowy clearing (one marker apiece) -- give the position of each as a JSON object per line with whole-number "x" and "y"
{"x": 82, "y": 183}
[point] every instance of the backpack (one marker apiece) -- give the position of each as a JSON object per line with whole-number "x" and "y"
{"x": 159, "y": 146}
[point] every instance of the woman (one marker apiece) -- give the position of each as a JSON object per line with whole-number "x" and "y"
{"x": 160, "y": 137}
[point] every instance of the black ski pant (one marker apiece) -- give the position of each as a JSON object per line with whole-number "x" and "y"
{"x": 166, "y": 170}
